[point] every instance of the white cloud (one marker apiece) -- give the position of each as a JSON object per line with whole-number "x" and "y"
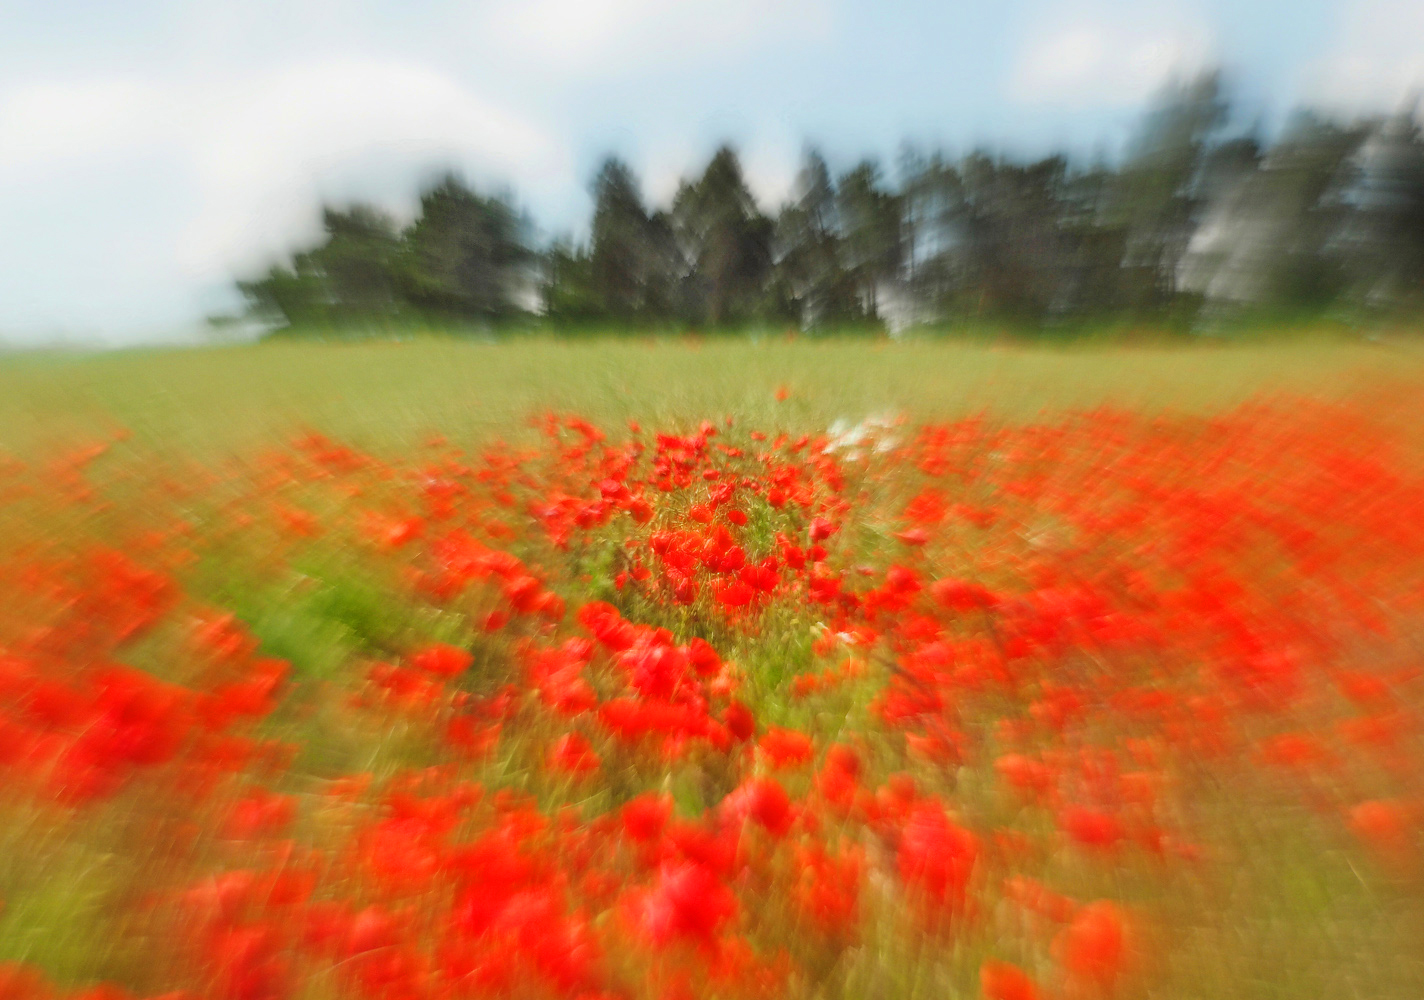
{"x": 616, "y": 36}
{"x": 223, "y": 174}
{"x": 264, "y": 153}
{"x": 1091, "y": 58}
{"x": 1378, "y": 61}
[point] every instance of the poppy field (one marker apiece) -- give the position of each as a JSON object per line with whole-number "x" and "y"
{"x": 712, "y": 696}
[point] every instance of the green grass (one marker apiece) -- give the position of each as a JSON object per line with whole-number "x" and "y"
{"x": 380, "y": 395}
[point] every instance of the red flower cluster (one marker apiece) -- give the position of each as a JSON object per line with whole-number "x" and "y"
{"x": 936, "y": 690}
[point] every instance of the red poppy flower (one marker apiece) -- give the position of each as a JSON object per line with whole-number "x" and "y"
{"x": 573, "y": 754}
{"x": 1002, "y": 981}
{"x": 763, "y": 800}
{"x": 936, "y": 855}
{"x": 783, "y": 748}
{"x": 739, "y": 719}
{"x": 689, "y": 902}
{"x": 1093, "y": 948}
{"x": 442, "y": 660}
{"x": 645, "y": 816}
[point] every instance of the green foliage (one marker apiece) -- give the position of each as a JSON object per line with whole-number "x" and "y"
{"x": 810, "y": 282}
{"x": 468, "y": 255}
{"x": 1197, "y": 227}
{"x": 466, "y": 258}
{"x": 355, "y": 274}
{"x": 726, "y": 242}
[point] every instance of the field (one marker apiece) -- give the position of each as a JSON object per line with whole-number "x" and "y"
{"x": 391, "y": 395}
{"x": 673, "y": 669}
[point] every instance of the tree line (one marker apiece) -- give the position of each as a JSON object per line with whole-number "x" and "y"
{"x": 1195, "y": 223}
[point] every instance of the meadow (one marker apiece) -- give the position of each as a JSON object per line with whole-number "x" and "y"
{"x": 390, "y": 394}
{"x": 681, "y": 669}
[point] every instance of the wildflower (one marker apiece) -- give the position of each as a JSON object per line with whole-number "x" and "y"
{"x": 913, "y": 537}
{"x": 645, "y": 816}
{"x": 656, "y": 669}
{"x": 739, "y": 720}
{"x": 1091, "y": 828}
{"x": 607, "y": 625}
{"x": 1002, "y": 981}
{"x": 936, "y": 855}
{"x": 1026, "y": 775}
{"x": 260, "y": 814}
{"x": 703, "y": 658}
{"x": 370, "y": 929}
{"x": 442, "y": 660}
{"x": 839, "y": 778}
{"x": 784, "y": 748}
{"x": 828, "y": 887}
{"x": 1093, "y": 948}
{"x": 735, "y": 594}
{"x": 573, "y": 754}
{"x": 763, "y": 800}
{"x": 961, "y": 595}
{"x": 1386, "y": 825}
{"x": 688, "y": 902}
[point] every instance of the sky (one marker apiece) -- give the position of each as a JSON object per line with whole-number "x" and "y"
{"x": 151, "y": 150}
